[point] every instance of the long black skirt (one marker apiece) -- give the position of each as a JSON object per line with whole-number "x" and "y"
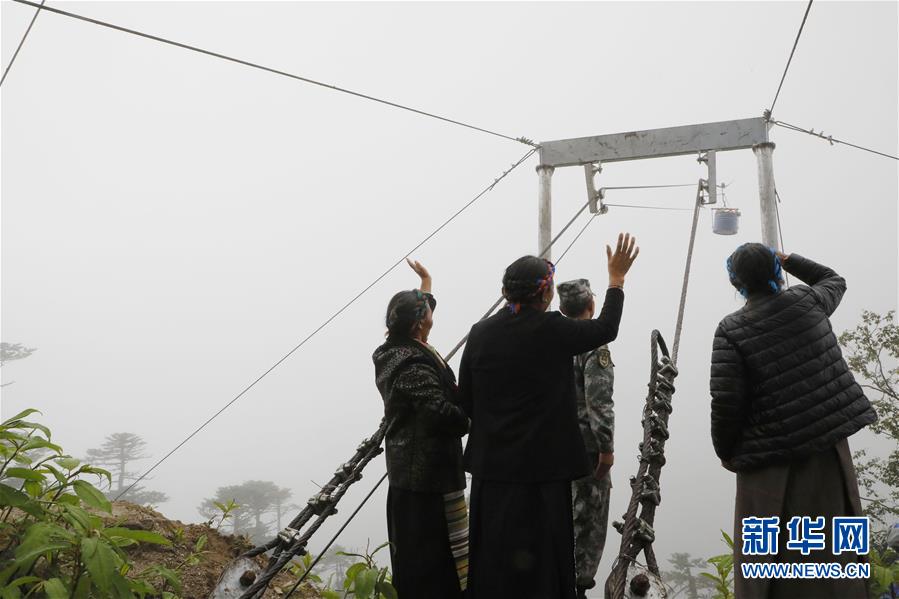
{"x": 420, "y": 553}
{"x": 823, "y": 484}
{"x": 521, "y": 541}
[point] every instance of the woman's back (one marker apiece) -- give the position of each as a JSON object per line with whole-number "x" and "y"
{"x": 780, "y": 386}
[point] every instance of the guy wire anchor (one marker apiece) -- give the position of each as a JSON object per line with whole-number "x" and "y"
{"x": 594, "y": 196}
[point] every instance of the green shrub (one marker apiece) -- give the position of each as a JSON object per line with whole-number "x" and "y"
{"x": 53, "y": 542}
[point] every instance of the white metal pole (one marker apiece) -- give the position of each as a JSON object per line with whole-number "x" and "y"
{"x": 764, "y": 155}
{"x": 544, "y": 211}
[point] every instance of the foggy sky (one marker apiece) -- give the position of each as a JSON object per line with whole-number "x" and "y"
{"x": 173, "y": 224}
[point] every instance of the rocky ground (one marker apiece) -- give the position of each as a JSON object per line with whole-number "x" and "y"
{"x": 198, "y": 580}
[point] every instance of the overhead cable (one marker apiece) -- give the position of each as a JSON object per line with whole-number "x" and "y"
{"x": 254, "y": 65}
{"x": 22, "y": 41}
{"x": 332, "y": 317}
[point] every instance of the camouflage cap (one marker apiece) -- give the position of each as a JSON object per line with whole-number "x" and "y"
{"x": 574, "y": 289}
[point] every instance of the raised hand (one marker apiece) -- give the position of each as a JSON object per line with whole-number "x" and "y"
{"x": 422, "y": 273}
{"x": 620, "y": 262}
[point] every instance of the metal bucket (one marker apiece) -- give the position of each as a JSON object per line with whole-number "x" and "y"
{"x": 727, "y": 221}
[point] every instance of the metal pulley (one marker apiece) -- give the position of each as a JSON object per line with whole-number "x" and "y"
{"x": 726, "y": 221}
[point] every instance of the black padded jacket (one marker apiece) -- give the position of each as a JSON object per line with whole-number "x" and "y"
{"x": 425, "y": 424}
{"x": 780, "y": 387}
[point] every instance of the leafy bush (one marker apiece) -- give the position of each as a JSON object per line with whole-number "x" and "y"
{"x": 53, "y": 543}
{"x": 724, "y": 569}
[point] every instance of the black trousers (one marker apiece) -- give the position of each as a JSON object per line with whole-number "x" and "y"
{"x": 522, "y": 541}
{"x": 420, "y": 555}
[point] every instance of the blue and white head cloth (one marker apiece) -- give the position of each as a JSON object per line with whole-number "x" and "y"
{"x": 774, "y": 283}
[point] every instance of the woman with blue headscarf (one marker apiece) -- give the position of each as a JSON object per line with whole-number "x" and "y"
{"x": 784, "y": 403}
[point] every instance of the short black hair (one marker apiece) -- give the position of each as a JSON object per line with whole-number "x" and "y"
{"x": 405, "y": 309}
{"x": 521, "y": 281}
{"x": 755, "y": 268}
{"x": 574, "y": 305}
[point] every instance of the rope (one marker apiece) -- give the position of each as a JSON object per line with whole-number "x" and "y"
{"x": 656, "y": 414}
{"x": 21, "y": 43}
{"x": 831, "y": 139}
{"x": 678, "y": 328}
{"x": 334, "y": 538}
{"x": 254, "y": 65}
{"x": 649, "y": 207}
{"x": 789, "y": 60}
{"x": 780, "y": 231}
{"x": 332, "y": 317}
{"x": 651, "y": 186}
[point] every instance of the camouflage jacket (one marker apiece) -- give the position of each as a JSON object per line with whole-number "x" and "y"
{"x": 594, "y": 375}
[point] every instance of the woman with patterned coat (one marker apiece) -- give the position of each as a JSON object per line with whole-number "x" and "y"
{"x": 784, "y": 403}
{"x": 427, "y": 519}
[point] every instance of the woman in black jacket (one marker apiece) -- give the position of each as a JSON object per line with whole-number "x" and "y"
{"x": 783, "y": 404}
{"x": 427, "y": 519}
{"x": 525, "y": 446}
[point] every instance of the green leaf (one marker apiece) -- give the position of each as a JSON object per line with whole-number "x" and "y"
{"x": 60, "y": 477}
{"x": 24, "y": 474}
{"x": 35, "y": 426}
{"x": 9, "y": 422}
{"x": 97, "y": 471}
{"x": 37, "y": 443}
{"x": 12, "y": 497}
{"x": 170, "y": 576}
{"x": 351, "y": 573}
{"x": 55, "y": 589}
{"x": 10, "y": 592}
{"x": 364, "y": 583}
{"x": 102, "y": 563}
{"x": 40, "y": 538}
{"x": 386, "y": 589}
{"x": 68, "y": 462}
{"x": 142, "y": 587}
{"x": 34, "y": 488}
{"x": 25, "y": 580}
{"x": 201, "y": 543}
{"x": 142, "y": 536}
{"x": 79, "y": 518}
{"x": 91, "y": 496}
{"x": 69, "y": 499}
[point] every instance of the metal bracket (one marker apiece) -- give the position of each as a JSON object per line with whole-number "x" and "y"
{"x": 594, "y": 196}
{"x": 709, "y": 185}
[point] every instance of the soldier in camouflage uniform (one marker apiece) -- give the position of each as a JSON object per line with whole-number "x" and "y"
{"x": 594, "y": 376}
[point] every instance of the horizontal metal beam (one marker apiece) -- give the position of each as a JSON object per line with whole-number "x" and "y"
{"x": 655, "y": 143}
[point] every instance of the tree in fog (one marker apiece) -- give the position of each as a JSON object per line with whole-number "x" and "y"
{"x": 10, "y": 352}
{"x": 258, "y": 500}
{"x": 117, "y": 452}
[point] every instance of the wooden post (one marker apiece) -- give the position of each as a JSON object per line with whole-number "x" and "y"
{"x": 544, "y": 211}
{"x": 767, "y": 197}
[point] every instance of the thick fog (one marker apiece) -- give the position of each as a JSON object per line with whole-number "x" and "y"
{"x": 173, "y": 224}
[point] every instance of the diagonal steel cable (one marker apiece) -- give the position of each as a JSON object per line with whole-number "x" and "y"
{"x": 790, "y": 59}
{"x": 22, "y": 42}
{"x": 275, "y": 71}
{"x": 487, "y": 189}
{"x": 831, "y": 139}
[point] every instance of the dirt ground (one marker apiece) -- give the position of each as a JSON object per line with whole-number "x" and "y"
{"x": 197, "y": 581}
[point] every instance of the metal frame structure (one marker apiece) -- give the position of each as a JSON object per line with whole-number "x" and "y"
{"x": 704, "y": 139}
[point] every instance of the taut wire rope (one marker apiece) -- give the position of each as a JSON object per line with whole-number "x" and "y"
{"x": 22, "y": 42}
{"x": 260, "y": 67}
{"x": 505, "y": 173}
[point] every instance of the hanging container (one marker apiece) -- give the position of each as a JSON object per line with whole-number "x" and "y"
{"x": 727, "y": 221}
